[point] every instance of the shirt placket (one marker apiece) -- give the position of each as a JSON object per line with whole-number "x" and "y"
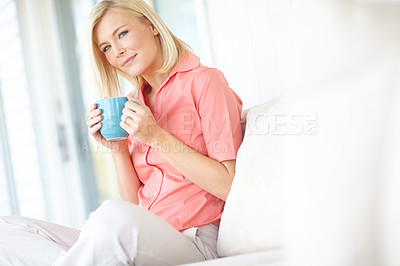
{"x": 159, "y": 179}
{"x": 156, "y": 170}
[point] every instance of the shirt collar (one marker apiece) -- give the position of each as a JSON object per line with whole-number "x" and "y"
{"x": 188, "y": 62}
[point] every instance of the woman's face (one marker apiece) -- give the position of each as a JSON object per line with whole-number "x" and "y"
{"x": 129, "y": 44}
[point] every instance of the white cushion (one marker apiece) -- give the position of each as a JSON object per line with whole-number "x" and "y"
{"x": 251, "y": 220}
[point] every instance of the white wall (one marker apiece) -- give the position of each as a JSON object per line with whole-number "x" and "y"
{"x": 265, "y": 47}
{"x": 237, "y": 40}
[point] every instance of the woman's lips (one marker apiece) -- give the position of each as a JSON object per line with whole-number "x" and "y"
{"x": 128, "y": 61}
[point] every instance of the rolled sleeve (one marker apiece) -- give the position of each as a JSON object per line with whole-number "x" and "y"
{"x": 220, "y": 109}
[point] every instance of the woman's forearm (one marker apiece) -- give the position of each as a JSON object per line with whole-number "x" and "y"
{"x": 127, "y": 179}
{"x": 213, "y": 176}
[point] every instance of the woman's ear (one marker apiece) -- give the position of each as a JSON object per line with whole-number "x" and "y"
{"x": 154, "y": 30}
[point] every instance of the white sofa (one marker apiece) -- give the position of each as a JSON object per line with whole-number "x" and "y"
{"x": 318, "y": 172}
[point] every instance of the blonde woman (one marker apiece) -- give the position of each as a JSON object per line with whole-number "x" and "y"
{"x": 175, "y": 170}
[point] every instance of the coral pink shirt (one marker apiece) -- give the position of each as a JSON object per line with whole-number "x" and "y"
{"x": 196, "y": 105}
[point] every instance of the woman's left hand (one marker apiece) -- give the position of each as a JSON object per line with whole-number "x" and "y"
{"x": 139, "y": 122}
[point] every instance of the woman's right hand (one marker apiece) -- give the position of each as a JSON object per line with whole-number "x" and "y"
{"x": 94, "y": 124}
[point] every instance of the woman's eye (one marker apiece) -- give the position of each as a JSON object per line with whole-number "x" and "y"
{"x": 122, "y": 34}
{"x": 105, "y": 49}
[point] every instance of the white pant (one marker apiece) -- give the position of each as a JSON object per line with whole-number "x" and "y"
{"x": 117, "y": 233}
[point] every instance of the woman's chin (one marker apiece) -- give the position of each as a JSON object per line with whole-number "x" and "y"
{"x": 133, "y": 72}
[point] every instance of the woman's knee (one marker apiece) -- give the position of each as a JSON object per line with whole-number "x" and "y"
{"x": 117, "y": 216}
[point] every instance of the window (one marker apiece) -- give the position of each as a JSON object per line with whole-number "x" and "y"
{"x": 45, "y": 170}
{"x": 21, "y": 189}
{"x": 46, "y": 155}
{"x": 55, "y": 182}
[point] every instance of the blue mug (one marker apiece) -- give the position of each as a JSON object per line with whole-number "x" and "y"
{"x": 111, "y": 110}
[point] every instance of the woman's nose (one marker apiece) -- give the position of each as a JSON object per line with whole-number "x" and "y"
{"x": 119, "y": 51}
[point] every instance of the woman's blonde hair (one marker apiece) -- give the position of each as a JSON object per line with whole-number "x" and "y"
{"x": 106, "y": 76}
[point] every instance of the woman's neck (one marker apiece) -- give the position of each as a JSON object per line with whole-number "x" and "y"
{"x": 152, "y": 76}
{"x": 155, "y": 81}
